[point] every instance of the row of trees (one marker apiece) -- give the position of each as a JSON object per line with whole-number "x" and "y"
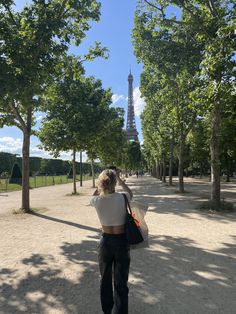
{"x": 42, "y": 166}
{"x": 38, "y": 74}
{"x": 188, "y": 82}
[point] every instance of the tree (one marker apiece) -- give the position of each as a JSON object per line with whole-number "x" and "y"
{"x": 158, "y": 122}
{"x": 33, "y": 42}
{"x": 228, "y": 139}
{"x": 199, "y": 40}
{"x": 76, "y": 110}
{"x": 170, "y": 114}
{"x": 108, "y": 142}
{"x": 198, "y": 141}
{"x": 170, "y": 60}
{"x": 134, "y": 155}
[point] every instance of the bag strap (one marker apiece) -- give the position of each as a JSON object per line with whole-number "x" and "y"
{"x": 127, "y": 204}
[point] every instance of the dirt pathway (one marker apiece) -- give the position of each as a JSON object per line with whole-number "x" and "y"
{"x": 49, "y": 263}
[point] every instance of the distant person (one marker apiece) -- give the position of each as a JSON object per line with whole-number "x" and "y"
{"x": 113, "y": 251}
{"x": 136, "y": 174}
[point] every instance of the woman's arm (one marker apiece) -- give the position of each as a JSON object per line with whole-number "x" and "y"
{"x": 124, "y": 185}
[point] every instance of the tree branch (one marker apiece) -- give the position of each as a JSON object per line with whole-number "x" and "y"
{"x": 18, "y": 117}
{"x": 153, "y": 5}
{"x": 195, "y": 16}
{"x": 160, "y": 9}
{"x": 173, "y": 21}
{"x": 63, "y": 5}
{"x": 10, "y": 14}
{"x": 18, "y": 125}
{"x": 152, "y": 140}
{"x": 164, "y": 19}
{"x": 190, "y": 125}
{"x": 212, "y": 8}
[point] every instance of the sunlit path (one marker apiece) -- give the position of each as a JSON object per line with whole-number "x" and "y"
{"x": 49, "y": 261}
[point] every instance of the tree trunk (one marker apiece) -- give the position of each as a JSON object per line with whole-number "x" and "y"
{"x": 74, "y": 172}
{"x": 215, "y": 156}
{"x": 161, "y": 171}
{"x": 92, "y": 170}
{"x": 25, "y": 172}
{"x": 171, "y": 162}
{"x": 81, "y": 168}
{"x": 181, "y": 165}
{"x": 201, "y": 170}
{"x": 157, "y": 169}
{"x": 164, "y": 168}
{"x": 154, "y": 170}
{"x": 228, "y": 168}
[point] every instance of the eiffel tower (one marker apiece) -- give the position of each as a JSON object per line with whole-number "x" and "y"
{"x": 131, "y": 130}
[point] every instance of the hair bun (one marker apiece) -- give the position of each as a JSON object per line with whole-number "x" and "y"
{"x": 107, "y": 180}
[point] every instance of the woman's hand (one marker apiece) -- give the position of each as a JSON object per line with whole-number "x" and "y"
{"x": 124, "y": 185}
{"x": 118, "y": 175}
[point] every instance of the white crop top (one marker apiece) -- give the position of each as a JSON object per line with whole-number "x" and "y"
{"x": 110, "y": 208}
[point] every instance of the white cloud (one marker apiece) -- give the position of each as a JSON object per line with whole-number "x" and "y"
{"x": 139, "y": 102}
{"x": 37, "y": 152}
{"x": 14, "y": 146}
{"x": 116, "y": 98}
{"x": 11, "y": 145}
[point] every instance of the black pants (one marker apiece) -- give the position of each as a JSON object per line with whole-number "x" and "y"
{"x": 114, "y": 260}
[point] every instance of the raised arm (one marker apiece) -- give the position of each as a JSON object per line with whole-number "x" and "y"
{"x": 124, "y": 185}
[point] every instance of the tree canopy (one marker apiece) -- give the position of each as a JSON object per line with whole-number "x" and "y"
{"x": 188, "y": 72}
{"x": 33, "y": 43}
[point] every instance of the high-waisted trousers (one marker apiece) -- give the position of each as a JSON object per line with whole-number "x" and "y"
{"x": 114, "y": 261}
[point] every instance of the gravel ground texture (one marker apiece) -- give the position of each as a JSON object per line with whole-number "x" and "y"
{"x": 48, "y": 260}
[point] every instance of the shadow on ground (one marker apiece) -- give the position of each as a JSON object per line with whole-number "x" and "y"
{"x": 172, "y": 276}
{"x": 47, "y": 289}
{"x": 162, "y": 199}
{"x": 183, "y": 278}
{"x": 66, "y": 222}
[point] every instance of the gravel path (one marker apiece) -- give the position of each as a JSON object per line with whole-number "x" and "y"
{"x": 48, "y": 261}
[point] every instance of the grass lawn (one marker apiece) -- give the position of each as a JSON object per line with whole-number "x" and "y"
{"x": 39, "y": 181}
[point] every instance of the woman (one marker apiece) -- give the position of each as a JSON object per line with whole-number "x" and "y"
{"x": 114, "y": 251}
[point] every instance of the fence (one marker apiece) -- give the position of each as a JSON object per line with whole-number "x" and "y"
{"x": 39, "y": 181}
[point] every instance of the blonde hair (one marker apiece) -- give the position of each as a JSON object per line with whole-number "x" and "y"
{"x": 107, "y": 181}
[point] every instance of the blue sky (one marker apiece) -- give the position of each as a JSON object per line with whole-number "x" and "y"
{"x": 113, "y": 31}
